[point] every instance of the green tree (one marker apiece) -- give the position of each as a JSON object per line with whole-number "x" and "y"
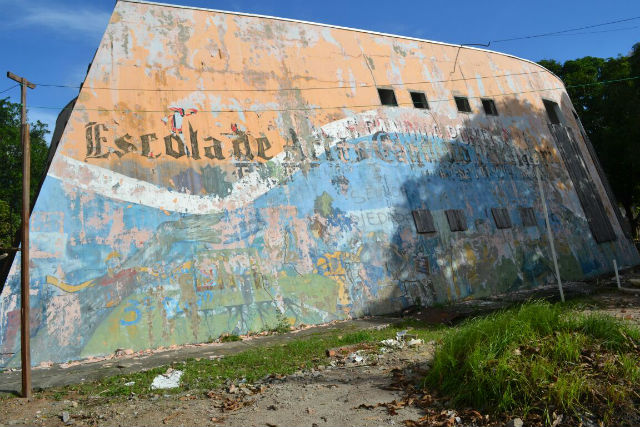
{"x": 11, "y": 170}
{"x": 610, "y": 114}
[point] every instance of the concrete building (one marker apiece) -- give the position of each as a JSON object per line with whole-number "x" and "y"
{"x": 218, "y": 169}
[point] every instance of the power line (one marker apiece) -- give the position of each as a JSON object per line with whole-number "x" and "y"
{"x": 599, "y": 32}
{"x": 346, "y": 106}
{"x": 354, "y": 86}
{"x": 553, "y": 33}
{"x": 9, "y": 88}
{"x": 364, "y": 85}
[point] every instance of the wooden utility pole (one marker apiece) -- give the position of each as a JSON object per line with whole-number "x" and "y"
{"x": 25, "y": 346}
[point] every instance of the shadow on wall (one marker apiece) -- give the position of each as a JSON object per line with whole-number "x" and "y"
{"x": 478, "y": 226}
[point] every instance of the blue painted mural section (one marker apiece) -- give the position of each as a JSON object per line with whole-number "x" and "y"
{"x": 336, "y": 239}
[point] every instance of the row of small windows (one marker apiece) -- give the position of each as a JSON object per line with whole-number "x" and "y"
{"x": 419, "y": 99}
{"x": 458, "y": 222}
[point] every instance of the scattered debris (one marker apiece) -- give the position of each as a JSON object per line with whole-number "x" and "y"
{"x": 229, "y": 405}
{"x": 65, "y": 416}
{"x": 517, "y": 422}
{"x": 123, "y": 352}
{"x": 413, "y": 342}
{"x": 129, "y": 384}
{"x": 345, "y": 351}
{"x": 392, "y": 343}
{"x": 170, "y": 379}
{"x": 355, "y": 357}
{"x": 170, "y": 417}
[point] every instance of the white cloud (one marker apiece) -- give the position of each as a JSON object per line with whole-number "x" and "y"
{"x": 65, "y": 20}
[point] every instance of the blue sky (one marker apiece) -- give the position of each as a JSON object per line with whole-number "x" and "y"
{"x": 53, "y": 41}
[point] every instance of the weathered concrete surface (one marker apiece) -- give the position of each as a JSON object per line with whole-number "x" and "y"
{"x": 218, "y": 169}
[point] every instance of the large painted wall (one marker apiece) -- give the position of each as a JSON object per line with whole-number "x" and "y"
{"x": 219, "y": 168}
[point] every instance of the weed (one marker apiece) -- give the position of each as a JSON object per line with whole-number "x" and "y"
{"x": 539, "y": 356}
{"x": 229, "y": 338}
{"x": 282, "y": 323}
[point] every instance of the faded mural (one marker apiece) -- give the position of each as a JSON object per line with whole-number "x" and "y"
{"x": 219, "y": 171}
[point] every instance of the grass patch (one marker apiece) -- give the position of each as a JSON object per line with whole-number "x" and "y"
{"x": 251, "y": 365}
{"x": 229, "y": 338}
{"x": 539, "y": 358}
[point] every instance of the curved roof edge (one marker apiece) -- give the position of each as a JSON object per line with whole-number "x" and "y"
{"x": 256, "y": 15}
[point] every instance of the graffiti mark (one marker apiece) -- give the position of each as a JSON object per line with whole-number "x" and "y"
{"x": 335, "y": 265}
{"x": 175, "y": 118}
{"x": 133, "y": 309}
{"x": 51, "y": 280}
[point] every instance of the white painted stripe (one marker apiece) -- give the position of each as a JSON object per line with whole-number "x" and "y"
{"x": 117, "y": 186}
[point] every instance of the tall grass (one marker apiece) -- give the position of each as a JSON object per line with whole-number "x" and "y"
{"x": 539, "y": 357}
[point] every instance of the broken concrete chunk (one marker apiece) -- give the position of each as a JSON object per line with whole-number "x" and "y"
{"x": 355, "y": 358}
{"x": 516, "y": 422}
{"x": 170, "y": 379}
{"x": 392, "y": 343}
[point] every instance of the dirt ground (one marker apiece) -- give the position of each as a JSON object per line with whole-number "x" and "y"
{"x": 345, "y": 394}
{"x": 327, "y": 396}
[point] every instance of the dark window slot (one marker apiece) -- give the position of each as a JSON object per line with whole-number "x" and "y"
{"x": 419, "y": 100}
{"x": 528, "y": 217}
{"x": 589, "y": 197}
{"x": 456, "y": 219}
{"x": 501, "y": 217}
{"x": 422, "y": 264}
{"x": 424, "y": 221}
{"x": 463, "y": 104}
{"x": 552, "y": 111}
{"x": 387, "y": 97}
{"x": 489, "y": 107}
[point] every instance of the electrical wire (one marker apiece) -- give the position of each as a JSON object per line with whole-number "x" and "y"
{"x": 553, "y": 33}
{"x": 354, "y": 86}
{"x": 344, "y": 106}
{"x": 565, "y": 32}
{"x": 598, "y": 32}
{"x": 9, "y": 88}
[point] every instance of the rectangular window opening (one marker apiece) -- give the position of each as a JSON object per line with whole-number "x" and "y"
{"x": 489, "y": 107}
{"x": 528, "y": 217}
{"x": 463, "y": 104}
{"x": 387, "y": 97}
{"x": 424, "y": 221}
{"x": 553, "y": 112}
{"x": 419, "y": 100}
{"x": 456, "y": 219}
{"x": 422, "y": 264}
{"x": 501, "y": 217}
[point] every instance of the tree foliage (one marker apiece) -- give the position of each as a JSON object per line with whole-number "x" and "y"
{"x": 610, "y": 114}
{"x": 11, "y": 170}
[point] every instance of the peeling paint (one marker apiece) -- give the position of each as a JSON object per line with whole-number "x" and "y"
{"x": 264, "y": 177}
